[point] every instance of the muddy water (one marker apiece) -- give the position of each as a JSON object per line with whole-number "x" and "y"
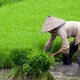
{"x": 60, "y": 72}
{"x": 3, "y": 74}
{"x": 70, "y": 72}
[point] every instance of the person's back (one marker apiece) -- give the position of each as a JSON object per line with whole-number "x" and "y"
{"x": 70, "y": 29}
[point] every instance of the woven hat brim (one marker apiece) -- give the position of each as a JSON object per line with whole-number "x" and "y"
{"x": 51, "y": 23}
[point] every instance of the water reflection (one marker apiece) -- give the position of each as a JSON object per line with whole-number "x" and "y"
{"x": 69, "y": 72}
{"x": 61, "y": 72}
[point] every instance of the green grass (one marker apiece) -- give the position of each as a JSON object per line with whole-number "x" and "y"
{"x": 3, "y": 2}
{"x": 21, "y": 23}
{"x": 35, "y": 65}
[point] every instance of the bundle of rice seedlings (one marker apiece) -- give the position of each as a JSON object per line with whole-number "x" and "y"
{"x": 34, "y": 66}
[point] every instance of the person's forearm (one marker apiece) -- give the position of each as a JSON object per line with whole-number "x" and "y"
{"x": 48, "y": 46}
{"x": 62, "y": 50}
{"x": 58, "y": 52}
{"x": 49, "y": 43}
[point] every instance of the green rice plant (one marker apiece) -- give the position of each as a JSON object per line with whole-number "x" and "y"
{"x": 74, "y": 58}
{"x": 46, "y": 76}
{"x": 40, "y": 63}
{"x": 9, "y": 58}
{"x": 5, "y": 60}
{"x": 18, "y": 56}
{"x": 21, "y": 23}
{"x": 16, "y": 73}
{"x": 2, "y": 2}
{"x": 2, "y": 57}
{"x": 26, "y": 68}
{"x": 30, "y": 66}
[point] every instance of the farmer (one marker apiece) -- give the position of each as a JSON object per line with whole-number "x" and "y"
{"x": 65, "y": 29}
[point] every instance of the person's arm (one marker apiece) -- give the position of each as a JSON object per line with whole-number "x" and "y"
{"x": 65, "y": 44}
{"x": 49, "y": 43}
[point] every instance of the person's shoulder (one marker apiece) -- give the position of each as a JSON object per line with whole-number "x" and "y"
{"x": 72, "y": 22}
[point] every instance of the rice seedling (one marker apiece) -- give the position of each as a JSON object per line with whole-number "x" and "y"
{"x": 20, "y": 25}
{"x": 30, "y": 66}
{"x": 2, "y": 2}
{"x": 18, "y": 57}
{"x": 40, "y": 63}
{"x": 5, "y": 60}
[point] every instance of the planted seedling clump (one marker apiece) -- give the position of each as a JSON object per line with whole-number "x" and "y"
{"x": 35, "y": 65}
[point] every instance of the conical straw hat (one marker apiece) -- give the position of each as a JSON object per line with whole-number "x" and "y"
{"x": 51, "y": 23}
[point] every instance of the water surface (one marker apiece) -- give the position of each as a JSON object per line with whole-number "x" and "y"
{"x": 60, "y": 72}
{"x": 4, "y": 73}
{"x": 69, "y": 72}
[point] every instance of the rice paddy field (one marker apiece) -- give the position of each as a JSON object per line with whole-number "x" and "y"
{"x": 21, "y": 23}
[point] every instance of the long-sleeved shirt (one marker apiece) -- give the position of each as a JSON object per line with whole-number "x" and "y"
{"x": 69, "y": 29}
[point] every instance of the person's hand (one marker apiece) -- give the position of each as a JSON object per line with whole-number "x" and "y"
{"x": 56, "y": 53}
{"x": 53, "y": 54}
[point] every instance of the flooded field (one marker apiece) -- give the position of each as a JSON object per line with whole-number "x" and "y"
{"x": 60, "y": 72}
{"x": 4, "y": 73}
{"x": 70, "y": 72}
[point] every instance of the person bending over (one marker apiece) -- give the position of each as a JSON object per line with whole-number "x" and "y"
{"x": 64, "y": 29}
